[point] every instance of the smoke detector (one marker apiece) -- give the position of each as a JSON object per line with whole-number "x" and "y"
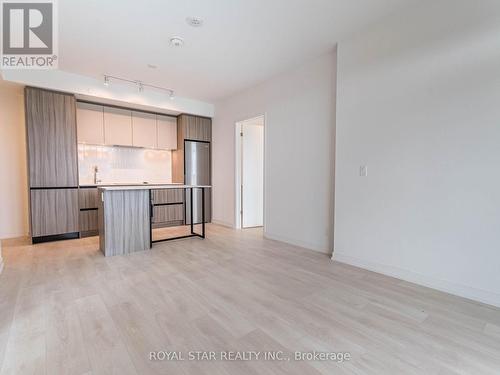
{"x": 194, "y": 21}
{"x": 176, "y": 41}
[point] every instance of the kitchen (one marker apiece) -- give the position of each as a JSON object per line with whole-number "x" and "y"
{"x": 79, "y": 151}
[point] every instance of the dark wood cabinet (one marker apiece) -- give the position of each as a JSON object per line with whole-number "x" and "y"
{"x": 168, "y": 215}
{"x": 160, "y": 196}
{"x": 54, "y": 212}
{"x": 196, "y": 128}
{"x": 168, "y": 207}
{"x": 87, "y": 201}
{"x": 51, "y": 133}
{"x": 88, "y": 223}
{"x": 87, "y": 197}
{"x": 52, "y": 164}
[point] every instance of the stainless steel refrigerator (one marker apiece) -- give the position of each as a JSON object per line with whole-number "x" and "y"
{"x": 197, "y": 172}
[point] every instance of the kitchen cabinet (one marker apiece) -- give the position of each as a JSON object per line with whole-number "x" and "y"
{"x": 88, "y": 203}
{"x": 90, "y": 123}
{"x": 196, "y": 128}
{"x": 168, "y": 207}
{"x": 167, "y": 132}
{"x": 52, "y": 164}
{"x": 51, "y": 136}
{"x": 88, "y": 223}
{"x": 162, "y": 196}
{"x": 87, "y": 197}
{"x": 117, "y": 127}
{"x": 144, "y": 132}
{"x": 103, "y": 125}
{"x": 54, "y": 212}
{"x": 166, "y": 216}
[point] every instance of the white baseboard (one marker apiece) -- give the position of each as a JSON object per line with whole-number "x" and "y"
{"x": 223, "y": 223}
{"x": 479, "y": 295}
{"x": 292, "y": 241}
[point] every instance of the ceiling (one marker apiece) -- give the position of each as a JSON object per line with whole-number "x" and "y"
{"x": 242, "y": 42}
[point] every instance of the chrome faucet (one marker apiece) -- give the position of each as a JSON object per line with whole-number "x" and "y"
{"x": 96, "y": 181}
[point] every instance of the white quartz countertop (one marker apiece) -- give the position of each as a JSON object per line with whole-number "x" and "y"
{"x": 151, "y": 187}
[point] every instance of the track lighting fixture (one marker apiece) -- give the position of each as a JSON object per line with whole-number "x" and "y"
{"x": 140, "y": 85}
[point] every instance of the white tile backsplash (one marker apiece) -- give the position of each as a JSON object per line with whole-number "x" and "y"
{"x": 123, "y": 165}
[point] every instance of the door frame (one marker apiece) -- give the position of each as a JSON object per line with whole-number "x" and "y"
{"x": 238, "y": 169}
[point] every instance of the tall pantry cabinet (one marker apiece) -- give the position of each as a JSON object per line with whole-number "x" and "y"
{"x": 52, "y": 164}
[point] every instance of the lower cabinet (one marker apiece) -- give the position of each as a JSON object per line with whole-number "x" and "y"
{"x": 168, "y": 207}
{"x": 54, "y": 212}
{"x": 88, "y": 223}
{"x": 168, "y": 215}
{"x": 87, "y": 199}
{"x": 160, "y": 196}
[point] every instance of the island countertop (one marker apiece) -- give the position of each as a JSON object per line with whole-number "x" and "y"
{"x": 151, "y": 186}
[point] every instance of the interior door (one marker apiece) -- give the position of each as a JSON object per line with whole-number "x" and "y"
{"x": 252, "y": 167}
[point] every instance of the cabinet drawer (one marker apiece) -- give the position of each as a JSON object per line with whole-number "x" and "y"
{"x": 88, "y": 220}
{"x": 87, "y": 198}
{"x": 167, "y": 196}
{"x": 54, "y": 211}
{"x": 163, "y": 214}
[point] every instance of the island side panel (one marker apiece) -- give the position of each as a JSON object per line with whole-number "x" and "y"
{"x": 126, "y": 221}
{"x": 100, "y": 221}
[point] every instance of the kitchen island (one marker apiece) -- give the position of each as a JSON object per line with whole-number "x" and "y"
{"x": 125, "y": 217}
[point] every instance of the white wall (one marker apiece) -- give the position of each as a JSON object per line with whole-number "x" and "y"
{"x": 13, "y": 175}
{"x": 299, "y": 134}
{"x": 419, "y": 104}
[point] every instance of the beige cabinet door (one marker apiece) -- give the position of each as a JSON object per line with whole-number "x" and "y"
{"x": 143, "y": 129}
{"x": 117, "y": 126}
{"x": 167, "y": 132}
{"x": 90, "y": 123}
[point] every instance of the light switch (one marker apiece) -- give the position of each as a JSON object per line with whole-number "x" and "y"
{"x": 363, "y": 171}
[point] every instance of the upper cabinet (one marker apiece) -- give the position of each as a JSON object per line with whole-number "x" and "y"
{"x": 90, "y": 123}
{"x": 117, "y": 126}
{"x": 167, "y": 132}
{"x": 196, "y": 128}
{"x": 144, "y": 130}
{"x": 103, "y": 125}
{"x": 51, "y": 133}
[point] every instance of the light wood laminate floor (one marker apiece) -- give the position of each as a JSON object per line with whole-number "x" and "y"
{"x": 65, "y": 309}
